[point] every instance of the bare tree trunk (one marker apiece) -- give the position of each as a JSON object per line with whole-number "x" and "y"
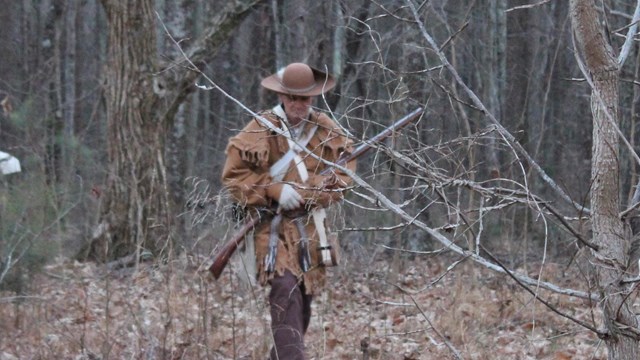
{"x": 142, "y": 100}
{"x": 611, "y": 258}
{"x": 70, "y": 71}
{"x": 296, "y": 14}
{"x": 54, "y": 121}
{"x": 497, "y": 39}
{"x": 290, "y": 31}
{"x": 134, "y": 214}
{"x": 339, "y": 39}
{"x": 177, "y": 17}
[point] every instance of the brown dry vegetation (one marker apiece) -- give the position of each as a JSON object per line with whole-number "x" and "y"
{"x": 170, "y": 311}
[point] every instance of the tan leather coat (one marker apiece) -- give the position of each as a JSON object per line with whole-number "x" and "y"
{"x": 250, "y": 155}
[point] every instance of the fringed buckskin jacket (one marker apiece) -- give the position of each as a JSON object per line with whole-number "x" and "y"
{"x": 250, "y": 156}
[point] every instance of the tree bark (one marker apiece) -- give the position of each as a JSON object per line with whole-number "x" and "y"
{"x": 134, "y": 213}
{"x": 609, "y": 233}
{"x": 141, "y": 104}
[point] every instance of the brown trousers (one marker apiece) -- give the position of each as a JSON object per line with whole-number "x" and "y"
{"x": 290, "y": 317}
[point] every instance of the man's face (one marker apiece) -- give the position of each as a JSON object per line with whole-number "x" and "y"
{"x": 296, "y": 107}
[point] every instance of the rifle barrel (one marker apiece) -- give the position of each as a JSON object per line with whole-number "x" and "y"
{"x": 366, "y": 146}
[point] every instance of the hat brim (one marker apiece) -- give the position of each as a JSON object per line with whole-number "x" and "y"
{"x": 323, "y": 83}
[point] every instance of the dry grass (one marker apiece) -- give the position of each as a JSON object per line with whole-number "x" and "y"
{"x": 168, "y": 311}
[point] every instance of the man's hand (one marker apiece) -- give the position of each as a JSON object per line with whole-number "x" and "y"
{"x": 290, "y": 199}
{"x": 322, "y": 191}
{"x": 332, "y": 182}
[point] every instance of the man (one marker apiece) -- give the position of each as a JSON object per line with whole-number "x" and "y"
{"x": 275, "y": 162}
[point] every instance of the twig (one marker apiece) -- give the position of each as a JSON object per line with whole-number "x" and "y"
{"x": 452, "y": 348}
{"x": 417, "y": 252}
{"x": 570, "y": 228}
{"x": 538, "y": 298}
{"x": 446, "y": 42}
{"x": 437, "y": 280}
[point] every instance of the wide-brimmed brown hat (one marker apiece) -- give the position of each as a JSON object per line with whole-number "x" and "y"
{"x": 299, "y": 79}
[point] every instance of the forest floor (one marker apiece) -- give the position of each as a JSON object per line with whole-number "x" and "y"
{"x": 174, "y": 311}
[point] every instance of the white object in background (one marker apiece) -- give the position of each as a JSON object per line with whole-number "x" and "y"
{"x": 9, "y": 164}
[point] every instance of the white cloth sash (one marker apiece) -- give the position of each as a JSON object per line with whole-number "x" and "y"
{"x": 280, "y": 167}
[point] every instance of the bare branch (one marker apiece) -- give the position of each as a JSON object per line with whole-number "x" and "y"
{"x": 205, "y": 47}
{"x": 506, "y": 134}
{"x": 538, "y": 298}
{"x": 633, "y": 29}
{"x": 448, "y": 244}
{"x": 446, "y": 42}
{"x": 529, "y": 6}
{"x": 452, "y": 348}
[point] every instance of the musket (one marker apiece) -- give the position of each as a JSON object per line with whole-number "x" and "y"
{"x": 222, "y": 257}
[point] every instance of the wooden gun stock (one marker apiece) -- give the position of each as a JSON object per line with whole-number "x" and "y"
{"x": 222, "y": 257}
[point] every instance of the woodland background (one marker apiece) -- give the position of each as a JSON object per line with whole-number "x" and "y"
{"x": 453, "y": 171}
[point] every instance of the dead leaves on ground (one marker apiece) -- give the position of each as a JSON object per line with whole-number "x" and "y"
{"x": 81, "y": 311}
